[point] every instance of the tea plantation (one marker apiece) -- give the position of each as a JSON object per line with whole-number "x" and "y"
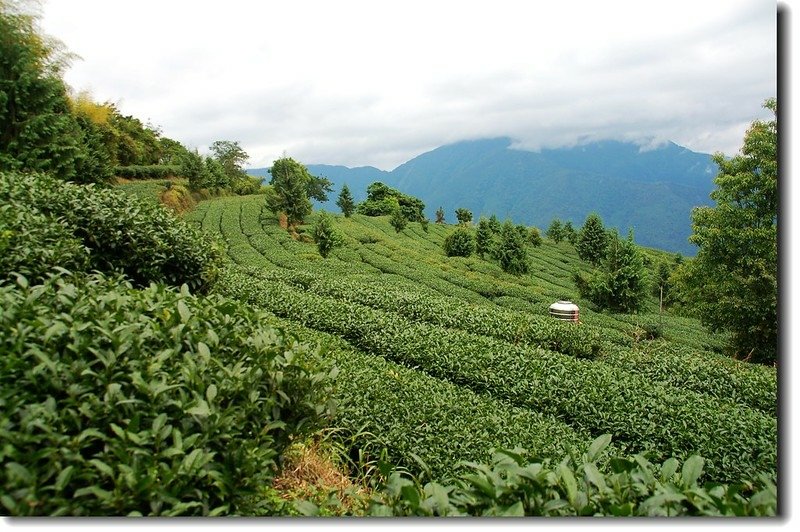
{"x": 449, "y": 358}
{"x": 162, "y": 366}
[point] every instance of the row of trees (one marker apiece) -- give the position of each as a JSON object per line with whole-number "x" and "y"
{"x": 44, "y": 127}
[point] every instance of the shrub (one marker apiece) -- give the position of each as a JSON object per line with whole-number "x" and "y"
{"x": 514, "y": 485}
{"x": 324, "y": 235}
{"x": 32, "y": 244}
{"x": 178, "y": 198}
{"x": 620, "y": 284}
{"x": 153, "y": 171}
{"x": 464, "y": 216}
{"x": 118, "y": 401}
{"x": 534, "y": 237}
{"x": 246, "y": 185}
{"x": 398, "y": 220}
{"x": 459, "y": 243}
{"x": 121, "y": 232}
{"x": 510, "y": 251}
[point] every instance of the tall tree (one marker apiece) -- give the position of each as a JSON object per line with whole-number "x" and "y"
{"x": 345, "y": 201}
{"x": 440, "y": 215}
{"x": 555, "y": 232}
{"x": 325, "y": 235}
{"x": 592, "y": 240}
{"x": 232, "y": 158}
{"x": 620, "y": 284}
{"x": 510, "y": 251}
{"x": 483, "y": 237}
{"x": 569, "y": 233}
{"x": 290, "y": 190}
{"x": 733, "y": 281}
{"x": 464, "y": 216}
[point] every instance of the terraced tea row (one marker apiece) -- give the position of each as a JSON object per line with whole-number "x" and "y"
{"x": 738, "y": 442}
{"x": 413, "y": 413}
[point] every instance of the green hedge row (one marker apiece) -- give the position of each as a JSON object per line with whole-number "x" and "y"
{"x": 153, "y": 171}
{"x": 738, "y": 442}
{"x": 385, "y": 405}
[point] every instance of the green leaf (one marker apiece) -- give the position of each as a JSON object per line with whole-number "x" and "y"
{"x": 692, "y": 469}
{"x": 668, "y": 469}
{"x": 158, "y": 423}
{"x": 515, "y": 510}
{"x": 594, "y": 476}
{"x": 64, "y": 478}
{"x": 570, "y": 484}
{"x": 102, "y": 467}
{"x": 203, "y": 350}
{"x": 184, "y": 311}
{"x": 410, "y": 495}
{"x": 598, "y": 446}
{"x": 201, "y": 409}
{"x": 211, "y": 392}
{"x": 306, "y": 508}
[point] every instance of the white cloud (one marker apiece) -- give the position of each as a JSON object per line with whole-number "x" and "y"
{"x": 364, "y": 82}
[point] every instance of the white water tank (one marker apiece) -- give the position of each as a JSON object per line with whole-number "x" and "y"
{"x": 564, "y": 310}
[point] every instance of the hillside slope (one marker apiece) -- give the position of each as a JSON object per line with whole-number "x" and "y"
{"x": 450, "y": 357}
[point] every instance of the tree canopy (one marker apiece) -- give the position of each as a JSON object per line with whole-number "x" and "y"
{"x": 383, "y": 200}
{"x": 289, "y": 190}
{"x": 733, "y": 281}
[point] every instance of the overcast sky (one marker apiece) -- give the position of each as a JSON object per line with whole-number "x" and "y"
{"x": 379, "y": 82}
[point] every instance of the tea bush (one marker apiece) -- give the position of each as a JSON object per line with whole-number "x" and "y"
{"x": 514, "y": 485}
{"x": 117, "y": 401}
{"x": 31, "y": 244}
{"x": 121, "y": 233}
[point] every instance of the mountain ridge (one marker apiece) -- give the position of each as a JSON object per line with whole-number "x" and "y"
{"x": 651, "y": 191}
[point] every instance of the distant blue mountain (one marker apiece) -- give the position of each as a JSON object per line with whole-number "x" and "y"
{"x": 651, "y": 191}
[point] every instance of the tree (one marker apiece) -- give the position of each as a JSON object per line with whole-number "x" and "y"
{"x": 319, "y": 188}
{"x": 383, "y": 200}
{"x": 592, "y": 240}
{"x": 290, "y": 190}
{"x": 345, "y": 202}
{"x": 620, "y": 284}
{"x": 555, "y": 232}
{"x": 569, "y": 233}
{"x": 325, "y": 235}
{"x": 459, "y": 243}
{"x": 232, "y": 158}
{"x": 37, "y": 130}
{"x": 464, "y": 216}
{"x": 193, "y": 168}
{"x": 216, "y": 177}
{"x": 510, "y": 251}
{"x": 534, "y": 237}
{"x": 733, "y": 281}
{"x": 440, "y": 215}
{"x": 494, "y": 225}
{"x": 398, "y": 220}
{"x": 483, "y": 237}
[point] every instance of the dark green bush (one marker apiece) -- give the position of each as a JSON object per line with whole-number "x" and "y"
{"x": 121, "y": 232}
{"x": 31, "y": 244}
{"x": 117, "y": 401}
{"x": 152, "y": 171}
{"x": 459, "y": 243}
